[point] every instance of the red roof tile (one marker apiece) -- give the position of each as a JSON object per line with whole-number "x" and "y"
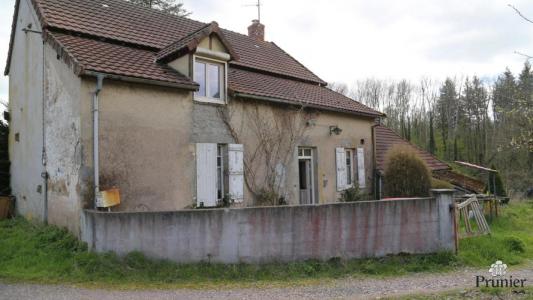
{"x": 252, "y": 83}
{"x": 386, "y": 138}
{"x": 122, "y": 21}
{"x": 98, "y": 56}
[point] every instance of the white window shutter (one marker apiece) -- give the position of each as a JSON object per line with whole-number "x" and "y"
{"x": 236, "y": 172}
{"x": 206, "y": 174}
{"x": 361, "y": 167}
{"x": 340, "y": 157}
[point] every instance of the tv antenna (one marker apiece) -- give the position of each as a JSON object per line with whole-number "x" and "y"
{"x": 258, "y": 5}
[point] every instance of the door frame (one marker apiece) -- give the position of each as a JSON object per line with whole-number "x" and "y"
{"x": 311, "y": 159}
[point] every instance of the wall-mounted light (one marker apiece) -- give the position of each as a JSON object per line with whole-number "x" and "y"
{"x": 334, "y": 130}
{"x": 310, "y": 123}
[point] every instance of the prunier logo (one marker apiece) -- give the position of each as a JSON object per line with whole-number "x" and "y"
{"x": 498, "y": 270}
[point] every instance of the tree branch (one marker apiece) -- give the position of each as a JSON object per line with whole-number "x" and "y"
{"x": 519, "y": 13}
{"x": 524, "y": 55}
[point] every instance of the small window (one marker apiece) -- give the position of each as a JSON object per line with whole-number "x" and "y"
{"x": 210, "y": 76}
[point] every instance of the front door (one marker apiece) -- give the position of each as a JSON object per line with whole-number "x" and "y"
{"x": 306, "y": 176}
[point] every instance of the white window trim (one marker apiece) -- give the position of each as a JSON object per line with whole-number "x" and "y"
{"x": 224, "y": 82}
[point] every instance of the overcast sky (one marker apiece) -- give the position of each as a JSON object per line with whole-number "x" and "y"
{"x": 347, "y": 40}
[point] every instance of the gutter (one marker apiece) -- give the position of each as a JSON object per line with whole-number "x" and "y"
{"x": 305, "y": 105}
{"x": 191, "y": 87}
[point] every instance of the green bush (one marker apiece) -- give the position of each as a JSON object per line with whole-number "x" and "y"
{"x": 515, "y": 244}
{"x": 406, "y": 175}
{"x": 440, "y": 184}
{"x": 351, "y": 195}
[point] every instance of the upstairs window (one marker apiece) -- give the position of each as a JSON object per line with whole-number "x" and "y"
{"x": 210, "y": 75}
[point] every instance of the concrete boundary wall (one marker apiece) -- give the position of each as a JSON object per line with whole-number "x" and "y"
{"x": 286, "y": 233}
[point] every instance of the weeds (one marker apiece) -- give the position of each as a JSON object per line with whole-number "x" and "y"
{"x": 47, "y": 254}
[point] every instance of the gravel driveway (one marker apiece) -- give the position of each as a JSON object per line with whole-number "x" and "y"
{"x": 338, "y": 289}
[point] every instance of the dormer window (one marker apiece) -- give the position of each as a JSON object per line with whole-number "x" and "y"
{"x": 211, "y": 76}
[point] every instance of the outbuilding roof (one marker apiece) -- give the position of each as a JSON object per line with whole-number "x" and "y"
{"x": 386, "y": 138}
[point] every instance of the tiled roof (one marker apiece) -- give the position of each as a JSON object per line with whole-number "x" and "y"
{"x": 386, "y": 138}
{"x": 98, "y": 56}
{"x": 257, "y": 84}
{"x": 122, "y": 21}
{"x": 468, "y": 183}
{"x": 122, "y": 39}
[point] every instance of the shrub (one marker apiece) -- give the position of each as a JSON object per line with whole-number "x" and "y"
{"x": 351, "y": 195}
{"x": 406, "y": 175}
{"x": 515, "y": 244}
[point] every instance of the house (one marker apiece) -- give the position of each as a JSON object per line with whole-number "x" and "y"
{"x": 385, "y": 138}
{"x": 172, "y": 112}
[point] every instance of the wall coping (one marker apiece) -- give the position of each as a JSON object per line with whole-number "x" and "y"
{"x": 442, "y": 191}
{"x": 227, "y": 209}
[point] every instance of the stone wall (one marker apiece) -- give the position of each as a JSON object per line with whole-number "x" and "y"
{"x": 286, "y": 233}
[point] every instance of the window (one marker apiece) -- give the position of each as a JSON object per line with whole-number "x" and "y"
{"x": 347, "y": 162}
{"x": 210, "y": 75}
{"x": 219, "y": 172}
{"x": 349, "y": 167}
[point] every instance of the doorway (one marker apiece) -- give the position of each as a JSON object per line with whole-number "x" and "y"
{"x": 306, "y": 175}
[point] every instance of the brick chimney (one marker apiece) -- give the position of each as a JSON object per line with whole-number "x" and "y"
{"x": 256, "y": 31}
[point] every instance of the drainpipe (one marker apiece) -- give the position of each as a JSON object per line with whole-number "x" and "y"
{"x": 96, "y": 154}
{"x": 44, "y": 173}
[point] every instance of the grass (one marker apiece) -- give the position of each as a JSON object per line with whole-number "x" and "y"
{"x": 47, "y": 254}
{"x": 511, "y": 239}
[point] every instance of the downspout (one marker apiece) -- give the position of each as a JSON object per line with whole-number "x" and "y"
{"x": 44, "y": 173}
{"x": 377, "y": 177}
{"x": 96, "y": 153}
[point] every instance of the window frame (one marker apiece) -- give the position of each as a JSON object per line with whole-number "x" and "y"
{"x": 222, "y": 81}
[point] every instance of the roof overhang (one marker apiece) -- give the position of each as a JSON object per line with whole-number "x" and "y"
{"x": 190, "y": 43}
{"x": 302, "y": 104}
{"x": 140, "y": 80}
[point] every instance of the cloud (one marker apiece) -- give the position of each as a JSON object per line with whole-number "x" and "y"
{"x": 347, "y": 40}
{"x": 6, "y": 15}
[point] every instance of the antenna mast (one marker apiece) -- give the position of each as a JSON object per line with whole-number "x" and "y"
{"x": 259, "y": 10}
{"x": 258, "y": 5}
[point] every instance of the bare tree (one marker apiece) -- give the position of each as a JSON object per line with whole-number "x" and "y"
{"x": 272, "y": 135}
